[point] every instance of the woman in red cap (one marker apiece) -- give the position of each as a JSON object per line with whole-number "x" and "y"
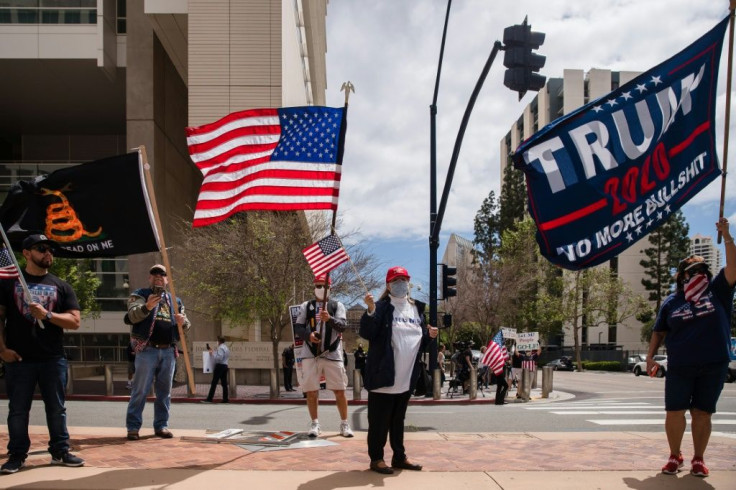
{"x": 396, "y": 329}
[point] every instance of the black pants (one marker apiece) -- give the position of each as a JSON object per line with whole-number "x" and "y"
{"x": 386, "y": 414}
{"x": 219, "y": 375}
{"x": 501, "y": 388}
{"x": 287, "y": 378}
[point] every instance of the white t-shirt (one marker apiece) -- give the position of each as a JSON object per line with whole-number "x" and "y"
{"x": 406, "y": 337}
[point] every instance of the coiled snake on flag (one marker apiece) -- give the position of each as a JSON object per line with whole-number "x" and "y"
{"x": 61, "y": 219}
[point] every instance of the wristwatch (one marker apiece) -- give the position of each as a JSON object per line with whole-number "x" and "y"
{"x": 49, "y": 315}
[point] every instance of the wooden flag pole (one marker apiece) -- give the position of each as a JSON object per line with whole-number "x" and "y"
{"x": 724, "y": 172}
{"x": 165, "y": 257}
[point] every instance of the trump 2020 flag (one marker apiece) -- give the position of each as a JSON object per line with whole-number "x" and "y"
{"x": 325, "y": 255}
{"x": 496, "y": 354}
{"x": 96, "y": 209}
{"x": 609, "y": 173}
{"x": 268, "y": 160}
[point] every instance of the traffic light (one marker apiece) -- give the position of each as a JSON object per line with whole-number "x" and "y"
{"x": 519, "y": 41}
{"x": 447, "y": 320}
{"x": 448, "y": 281}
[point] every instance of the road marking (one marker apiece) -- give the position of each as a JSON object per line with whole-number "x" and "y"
{"x": 659, "y": 421}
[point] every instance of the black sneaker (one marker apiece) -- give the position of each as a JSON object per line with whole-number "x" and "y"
{"x": 67, "y": 459}
{"x": 13, "y": 464}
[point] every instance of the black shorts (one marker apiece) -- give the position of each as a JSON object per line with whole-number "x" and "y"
{"x": 698, "y": 386}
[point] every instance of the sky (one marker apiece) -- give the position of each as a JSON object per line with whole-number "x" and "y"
{"x": 389, "y": 50}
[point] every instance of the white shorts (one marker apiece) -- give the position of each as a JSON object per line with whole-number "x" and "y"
{"x": 334, "y": 372}
{"x": 516, "y": 373}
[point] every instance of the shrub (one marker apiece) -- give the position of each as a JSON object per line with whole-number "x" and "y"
{"x": 603, "y": 366}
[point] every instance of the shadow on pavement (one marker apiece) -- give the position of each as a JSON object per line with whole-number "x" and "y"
{"x": 670, "y": 482}
{"x": 348, "y": 479}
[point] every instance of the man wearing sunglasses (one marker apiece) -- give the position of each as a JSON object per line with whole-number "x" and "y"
{"x": 154, "y": 335}
{"x": 322, "y": 353}
{"x": 34, "y": 356}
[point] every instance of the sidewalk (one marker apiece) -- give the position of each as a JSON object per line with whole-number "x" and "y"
{"x": 587, "y": 460}
{"x": 503, "y": 460}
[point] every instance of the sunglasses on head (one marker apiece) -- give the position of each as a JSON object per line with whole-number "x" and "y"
{"x": 43, "y": 249}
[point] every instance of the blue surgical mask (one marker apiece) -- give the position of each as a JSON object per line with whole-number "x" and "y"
{"x": 399, "y": 289}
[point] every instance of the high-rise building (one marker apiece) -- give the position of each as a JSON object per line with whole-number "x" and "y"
{"x": 704, "y": 246}
{"x": 87, "y": 79}
{"x": 561, "y": 96}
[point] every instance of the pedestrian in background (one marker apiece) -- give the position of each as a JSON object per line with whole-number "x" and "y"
{"x": 131, "y": 365}
{"x": 695, "y": 322}
{"x": 34, "y": 355}
{"x": 395, "y": 327}
{"x": 287, "y": 365}
{"x": 221, "y": 358}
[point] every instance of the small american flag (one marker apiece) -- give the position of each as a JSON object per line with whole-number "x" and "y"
{"x": 8, "y": 270}
{"x": 284, "y": 159}
{"x": 325, "y": 255}
{"x": 496, "y": 354}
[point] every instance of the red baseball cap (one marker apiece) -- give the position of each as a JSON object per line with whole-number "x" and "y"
{"x": 396, "y": 272}
{"x": 321, "y": 278}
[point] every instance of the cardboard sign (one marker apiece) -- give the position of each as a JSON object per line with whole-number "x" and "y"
{"x": 208, "y": 362}
{"x": 508, "y": 333}
{"x": 526, "y": 341}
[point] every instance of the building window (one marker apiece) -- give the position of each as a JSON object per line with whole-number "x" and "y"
{"x": 121, "y": 17}
{"x": 48, "y": 11}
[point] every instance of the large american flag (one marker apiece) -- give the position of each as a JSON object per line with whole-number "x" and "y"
{"x": 325, "y": 255}
{"x": 268, "y": 160}
{"x": 496, "y": 354}
{"x": 8, "y": 270}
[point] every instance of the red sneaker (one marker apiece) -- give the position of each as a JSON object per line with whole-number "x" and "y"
{"x": 673, "y": 464}
{"x": 699, "y": 468}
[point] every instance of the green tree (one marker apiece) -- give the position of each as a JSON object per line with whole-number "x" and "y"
{"x": 595, "y": 296}
{"x": 487, "y": 230}
{"x": 513, "y": 198}
{"x": 669, "y": 244}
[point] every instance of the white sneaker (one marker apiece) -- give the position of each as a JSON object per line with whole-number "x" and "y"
{"x": 314, "y": 430}
{"x": 345, "y": 430}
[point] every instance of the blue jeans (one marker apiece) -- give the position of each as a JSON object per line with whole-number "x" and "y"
{"x": 21, "y": 379}
{"x": 152, "y": 366}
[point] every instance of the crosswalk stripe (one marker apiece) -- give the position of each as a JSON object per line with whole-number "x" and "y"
{"x": 659, "y": 421}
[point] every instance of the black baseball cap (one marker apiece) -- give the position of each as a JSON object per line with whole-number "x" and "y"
{"x": 32, "y": 240}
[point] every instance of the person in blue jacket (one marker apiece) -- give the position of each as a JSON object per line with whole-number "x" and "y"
{"x": 695, "y": 324}
{"x": 395, "y": 327}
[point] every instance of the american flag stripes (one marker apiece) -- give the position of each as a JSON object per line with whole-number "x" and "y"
{"x": 8, "y": 270}
{"x": 268, "y": 160}
{"x": 695, "y": 287}
{"x": 496, "y": 354}
{"x": 325, "y": 255}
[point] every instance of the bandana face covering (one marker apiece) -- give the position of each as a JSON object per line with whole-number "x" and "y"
{"x": 695, "y": 287}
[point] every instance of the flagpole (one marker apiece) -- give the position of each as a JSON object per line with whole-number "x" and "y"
{"x": 21, "y": 279}
{"x": 346, "y": 87}
{"x": 357, "y": 274}
{"x": 165, "y": 257}
{"x": 724, "y": 173}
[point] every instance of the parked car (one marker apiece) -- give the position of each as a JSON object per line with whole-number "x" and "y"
{"x": 631, "y": 361}
{"x": 561, "y": 365}
{"x": 641, "y": 367}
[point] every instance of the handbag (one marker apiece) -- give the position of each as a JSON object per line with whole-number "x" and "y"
{"x": 424, "y": 383}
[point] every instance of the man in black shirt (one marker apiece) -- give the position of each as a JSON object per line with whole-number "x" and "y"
{"x": 287, "y": 364}
{"x": 34, "y": 353}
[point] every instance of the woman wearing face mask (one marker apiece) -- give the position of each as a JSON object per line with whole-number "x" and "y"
{"x": 396, "y": 329}
{"x": 694, "y": 323}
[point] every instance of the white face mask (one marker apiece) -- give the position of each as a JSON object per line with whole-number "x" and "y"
{"x": 399, "y": 288}
{"x": 319, "y": 293}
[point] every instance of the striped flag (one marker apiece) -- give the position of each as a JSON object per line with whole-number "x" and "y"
{"x": 268, "y": 160}
{"x": 325, "y": 255}
{"x": 496, "y": 354}
{"x": 695, "y": 287}
{"x": 8, "y": 270}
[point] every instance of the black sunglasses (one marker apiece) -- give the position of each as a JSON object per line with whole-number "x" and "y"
{"x": 43, "y": 249}
{"x": 158, "y": 273}
{"x": 318, "y": 286}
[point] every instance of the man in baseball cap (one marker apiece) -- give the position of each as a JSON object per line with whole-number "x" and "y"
{"x": 37, "y": 239}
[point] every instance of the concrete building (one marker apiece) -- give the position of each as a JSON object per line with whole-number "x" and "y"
{"x": 559, "y": 97}
{"x": 87, "y": 79}
{"x": 704, "y": 246}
